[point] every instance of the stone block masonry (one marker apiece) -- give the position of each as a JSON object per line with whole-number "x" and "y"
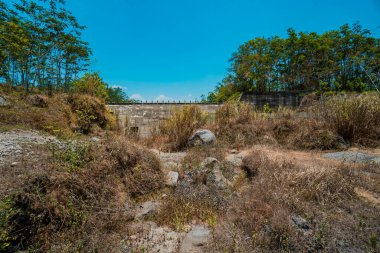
{"x": 141, "y": 119}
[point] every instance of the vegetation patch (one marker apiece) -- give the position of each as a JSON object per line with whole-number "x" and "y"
{"x": 66, "y": 208}
{"x": 181, "y": 125}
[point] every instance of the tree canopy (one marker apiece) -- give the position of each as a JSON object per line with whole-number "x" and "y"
{"x": 41, "y": 45}
{"x": 347, "y": 59}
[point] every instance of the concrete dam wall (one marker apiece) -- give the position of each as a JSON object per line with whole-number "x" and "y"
{"x": 141, "y": 119}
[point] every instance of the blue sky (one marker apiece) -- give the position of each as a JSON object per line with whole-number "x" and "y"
{"x": 180, "y": 49}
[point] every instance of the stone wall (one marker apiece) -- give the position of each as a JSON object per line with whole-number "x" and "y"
{"x": 274, "y": 99}
{"x": 142, "y": 118}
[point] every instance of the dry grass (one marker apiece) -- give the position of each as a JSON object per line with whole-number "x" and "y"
{"x": 195, "y": 155}
{"x": 355, "y": 118}
{"x": 332, "y": 124}
{"x": 61, "y": 115}
{"x": 83, "y": 209}
{"x": 236, "y": 124}
{"x": 260, "y": 220}
{"x": 180, "y": 210}
{"x": 181, "y": 125}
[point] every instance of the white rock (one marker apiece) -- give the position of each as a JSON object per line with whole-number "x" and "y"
{"x": 94, "y": 139}
{"x": 172, "y": 178}
{"x": 14, "y": 164}
{"x": 195, "y": 239}
{"x": 234, "y": 151}
{"x": 146, "y": 209}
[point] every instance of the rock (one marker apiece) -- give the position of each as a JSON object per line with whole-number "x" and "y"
{"x": 300, "y": 223}
{"x": 195, "y": 239}
{"x": 202, "y": 137}
{"x": 37, "y": 101}
{"x": 236, "y": 159}
{"x": 148, "y": 237}
{"x": 94, "y": 139}
{"x": 3, "y": 102}
{"x": 14, "y": 164}
{"x": 234, "y": 151}
{"x": 216, "y": 177}
{"x": 376, "y": 160}
{"x": 209, "y": 163}
{"x": 351, "y": 156}
{"x": 172, "y": 178}
{"x": 211, "y": 168}
{"x": 146, "y": 209}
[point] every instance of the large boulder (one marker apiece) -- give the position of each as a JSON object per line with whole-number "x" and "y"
{"x": 202, "y": 137}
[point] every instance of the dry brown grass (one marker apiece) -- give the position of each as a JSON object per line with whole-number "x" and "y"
{"x": 333, "y": 124}
{"x": 238, "y": 124}
{"x": 260, "y": 220}
{"x": 180, "y": 210}
{"x": 61, "y": 115}
{"x": 83, "y": 209}
{"x": 355, "y": 118}
{"x": 181, "y": 125}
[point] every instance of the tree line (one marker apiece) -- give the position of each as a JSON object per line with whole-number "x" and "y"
{"x": 41, "y": 45}
{"x": 347, "y": 59}
{"x": 41, "y": 49}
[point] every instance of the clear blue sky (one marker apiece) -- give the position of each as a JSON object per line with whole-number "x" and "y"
{"x": 180, "y": 48}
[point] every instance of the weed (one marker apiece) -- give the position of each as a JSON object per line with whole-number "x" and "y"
{"x": 181, "y": 125}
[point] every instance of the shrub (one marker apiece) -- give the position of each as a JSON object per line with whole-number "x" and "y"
{"x": 90, "y": 111}
{"x": 182, "y": 124}
{"x": 312, "y": 134}
{"x": 91, "y": 84}
{"x": 80, "y": 210}
{"x": 355, "y": 118}
{"x": 262, "y": 218}
{"x": 179, "y": 210}
{"x": 140, "y": 169}
{"x": 62, "y": 115}
{"x": 236, "y": 123}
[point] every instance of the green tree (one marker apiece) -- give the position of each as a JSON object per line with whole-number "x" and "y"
{"x": 346, "y": 59}
{"x": 91, "y": 84}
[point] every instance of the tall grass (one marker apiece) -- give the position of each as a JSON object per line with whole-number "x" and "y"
{"x": 355, "y": 118}
{"x": 182, "y": 124}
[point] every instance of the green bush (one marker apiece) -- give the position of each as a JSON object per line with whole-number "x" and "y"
{"x": 90, "y": 111}
{"x": 91, "y": 84}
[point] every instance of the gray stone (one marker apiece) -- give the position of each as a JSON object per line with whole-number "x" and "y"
{"x": 172, "y": 178}
{"x": 3, "y": 102}
{"x": 195, "y": 239}
{"x": 351, "y": 156}
{"x": 209, "y": 163}
{"x": 211, "y": 167}
{"x": 235, "y": 159}
{"x": 14, "y": 164}
{"x": 234, "y": 151}
{"x": 148, "y": 237}
{"x": 202, "y": 137}
{"x": 94, "y": 139}
{"x": 300, "y": 223}
{"x": 146, "y": 209}
{"x": 217, "y": 178}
